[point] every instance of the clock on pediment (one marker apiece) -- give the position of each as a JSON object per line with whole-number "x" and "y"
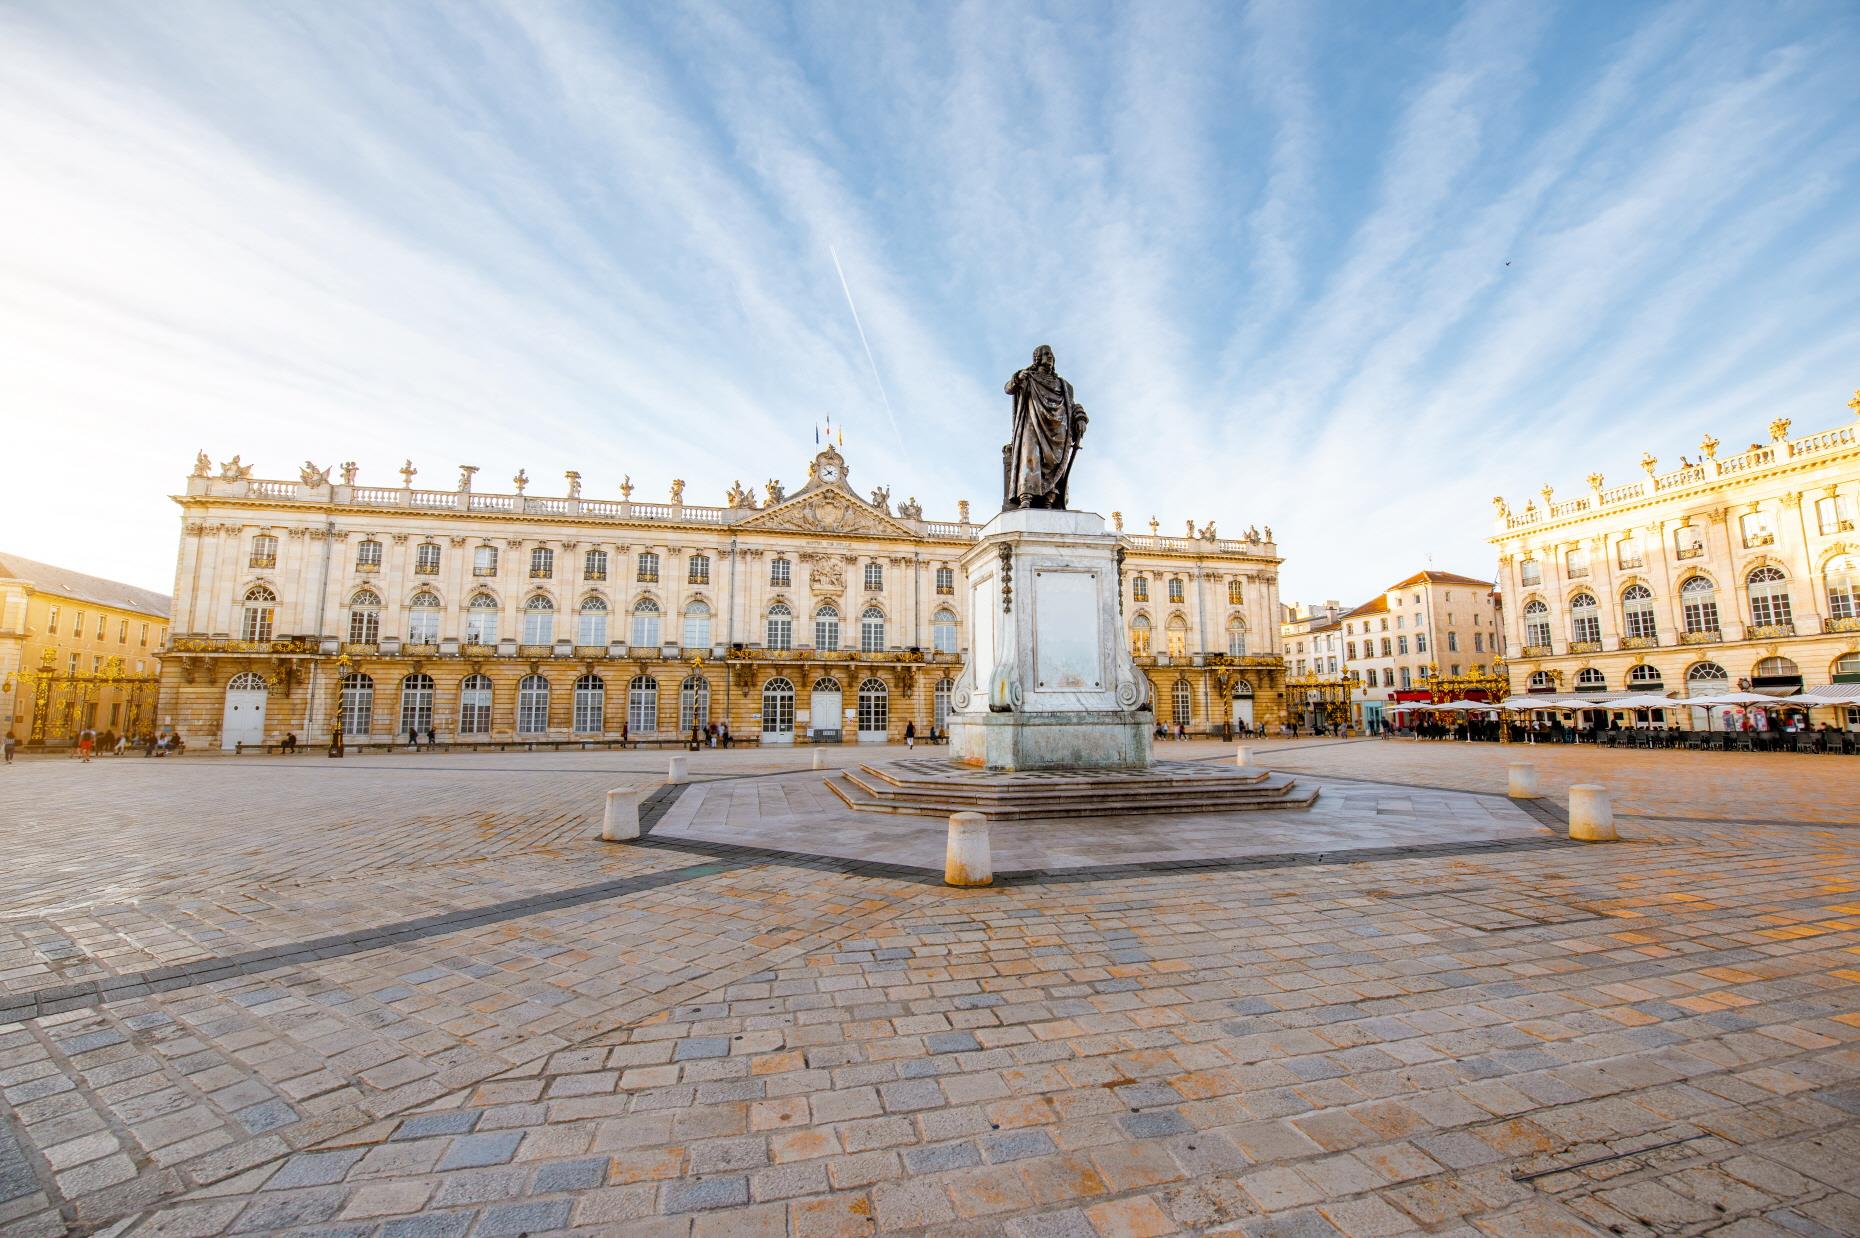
{"x": 828, "y": 468}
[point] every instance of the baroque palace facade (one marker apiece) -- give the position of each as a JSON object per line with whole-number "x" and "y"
{"x": 1728, "y": 572}
{"x": 818, "y": 616}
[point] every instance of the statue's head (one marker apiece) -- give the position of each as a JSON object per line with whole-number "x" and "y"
{"x": 1043, "y": 355}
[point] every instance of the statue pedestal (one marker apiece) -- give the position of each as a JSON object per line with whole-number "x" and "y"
{"x": 1049, "y": 683}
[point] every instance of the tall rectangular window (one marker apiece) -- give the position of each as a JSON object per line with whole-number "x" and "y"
{"x": 484, "y": 561}
{"x": 945, "y": 580}
{"x": 426, "y": 559}
{"x": 781, "y": 573}
{"x": 699, "y": 573}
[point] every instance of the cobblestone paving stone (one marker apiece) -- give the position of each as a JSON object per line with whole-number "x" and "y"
{"x": 1654, "y": 1037}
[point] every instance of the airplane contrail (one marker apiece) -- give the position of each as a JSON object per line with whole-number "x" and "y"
{"x": 847, "y": 289}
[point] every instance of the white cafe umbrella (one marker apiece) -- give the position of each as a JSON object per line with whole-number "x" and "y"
{"x": 1733, "y": 698}
{"x": 1524, "y": 703}
{"x": 1465, "y": 705}
{"x": 1645, "y": 700}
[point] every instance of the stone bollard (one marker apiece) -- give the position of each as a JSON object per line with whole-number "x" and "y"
{"x": 1523, "y": 781}
{"x": 677, "y": 771}
{"x": 966, "y": 860}
{"x": 1591, "y": 814}
{"x": 820, "y": 759}
{"x": 1243, "y": 755}
{"x": 620, "y": 823}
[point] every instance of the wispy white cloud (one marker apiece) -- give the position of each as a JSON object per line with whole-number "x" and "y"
{"x": 1269, "y": 245}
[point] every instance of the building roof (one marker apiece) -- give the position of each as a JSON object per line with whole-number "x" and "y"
{"x": 44, "y": 578}
{"x": 1440, "y": 578}
{"x": 1377, "y": 605}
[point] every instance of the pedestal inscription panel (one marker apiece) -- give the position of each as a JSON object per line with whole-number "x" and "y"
{"x": 1066, "y": 640}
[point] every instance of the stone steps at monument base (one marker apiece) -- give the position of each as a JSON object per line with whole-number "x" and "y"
{"x": 1019, "y": 804}
{"x": 954, "y": 780}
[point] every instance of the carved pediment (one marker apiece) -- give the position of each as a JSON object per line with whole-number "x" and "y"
{"x": 828, "y": 509}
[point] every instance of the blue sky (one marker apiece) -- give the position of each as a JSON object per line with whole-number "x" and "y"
{"x": 1268, "y": 242}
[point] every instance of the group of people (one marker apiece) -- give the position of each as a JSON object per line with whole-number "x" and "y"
{"x": 710, "y": 735}
{"x": 91, "y": 742}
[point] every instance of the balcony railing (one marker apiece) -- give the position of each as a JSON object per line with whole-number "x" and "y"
{"x": 541, "y": 573}
{"x": 1689, "y": 552}
{"x": 648, "y": 578}
{"x": 1702, "y": 636}
{"x": 1769, "y": 631}
{"x": 1849, "y": 624}
{"x": 367, "y": 567}
{"x": 1535, "y": 651}
{"x": 594, "y": 574}
{"x": 1640, "y": 642}
{"x": 1585, "y": 646}
{"x": 263, "y": 561}
{"x": 426, "y": 569}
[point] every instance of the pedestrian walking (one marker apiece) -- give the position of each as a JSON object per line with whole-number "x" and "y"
{"x": 87, "y": 742}
{"x": 723, "y": 732}
{"x": 10, "y": 743}
{"x": 910, "y": 734}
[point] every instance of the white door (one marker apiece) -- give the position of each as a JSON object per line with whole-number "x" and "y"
{"x": 244, "y": 721}
{"x": 1243, "y": 711}
{"x": 824, "y": 710}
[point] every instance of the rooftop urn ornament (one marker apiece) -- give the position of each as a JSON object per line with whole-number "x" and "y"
{"x": 574, "y": 483}
{"x": 1117, "y": 521}
{"x": 962, "y": 510}
{"x": 465, "y": 472}
{"x": 1855, "y": 403}
{"x": 203, "y": 464}
{"x": 1500, "y": 506}
{"x": 626, "y": 486}
{"x": 678, "y": 492}
{"x": 1709, "y": 446}
{"x": 1155, "y": 525}
{"x": 1595, "y": 481}
{"x": 349, "y": 469}
{"x": 521, "y": 480}
{"x": 407, "y": 472}
{"x": 1779, "y": 429}
{"x": 1547, "y": 491}
{"x": 1649, "y": 462}
{"x": 1036, "y": 463}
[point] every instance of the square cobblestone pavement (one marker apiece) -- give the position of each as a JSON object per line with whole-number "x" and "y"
{"x": 417, "y": 996}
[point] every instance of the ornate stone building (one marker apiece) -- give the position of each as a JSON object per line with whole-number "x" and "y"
{"x": 76, "y": 651}
{"x": 1730, "y": 571}
{"x": 1428, "y": 637}
{"x": 817, "y": 616}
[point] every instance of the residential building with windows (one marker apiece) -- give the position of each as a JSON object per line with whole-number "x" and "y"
{"x": 817, "y": 616}
{"x": 76, "y": 652}
{"x": 1317, "y": 692}
{"x": 1429, "y": 632}
{"x": 1730, "y": 572}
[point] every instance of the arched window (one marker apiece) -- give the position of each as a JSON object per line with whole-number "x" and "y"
{"x": 481, "y": 620}
{"x": 248, "y": 681}
{"x": 1776, "y": 668}
{"x": 1243, "y": 687}
{"x": 1541, "y": 682}
{"x": 364, "y": 617}
{"x": 1843, "y": 577}
{"x": 1645, "y": 678}
{"x": 1536, "y": 624}
{"x": 646, "y": 622}
{"x": 591, "y": 623}
{"x": 874, "y": 708}
{"x": 368, "y": 555}
{"x": 358, "y": 703}
{"x": 698, "y": 572}
{"x": 1769, "y": 597}
{"x": 874, "y": 576}
{"x": 648, "y": 566}
{"x": 1140, "y": 636}
{"x": 1585, "y": 618}
{"x": 939, "y": 709}
{"x": 778, "y": 707}
{"x": 590, "y": 705}
{"x": 943, "y": 631}
{"x": 416, "y": 704}
{"x": 1699, "y": 603}
{"x": 264, "y": 551}
{"x": 872, "y": 630}
{"x": 475, "y": 705}
{"x": 1848, "y": 664}
{"x": 423, "y": 620}
{"x": 542, "y": 563}
{"x": 1181, "y": 703}
{"x": 1706, "y": 679}
{"x": 533, "y": 705}
{"x": 697, "y": 624}
{"x": 539, "y": 621}
{"x": 642, "y": 705}
{"x": 1637, "y": 612}
{"x": 693, "y": 703}
{"x": 1591, "y": 680}
{"x": 827, "y": 627}
{"x": 1235, "y": 592}
{"x": 1177, "y": 633}
{"x": 260, "y": 610}
{"x": 594, "y": 565}
{"x": 426, "y": 559}
{"x": 1236, "y": 637}
{"x": 780, "y": 628}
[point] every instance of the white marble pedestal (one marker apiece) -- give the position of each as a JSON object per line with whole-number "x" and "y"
{"x": 1049, "y": 682}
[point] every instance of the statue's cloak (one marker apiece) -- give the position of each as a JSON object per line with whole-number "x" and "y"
{"x": 1040, "y": 450}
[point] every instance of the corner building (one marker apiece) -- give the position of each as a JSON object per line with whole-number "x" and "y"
{"x": 1730, "y": 572}
{"x": 819, "y": 616}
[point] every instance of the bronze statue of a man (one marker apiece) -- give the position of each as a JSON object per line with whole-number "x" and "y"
{"x": 1048, "y": 424}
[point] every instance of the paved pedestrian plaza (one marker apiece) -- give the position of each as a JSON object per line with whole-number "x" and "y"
{"x": 416, "y": 995}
